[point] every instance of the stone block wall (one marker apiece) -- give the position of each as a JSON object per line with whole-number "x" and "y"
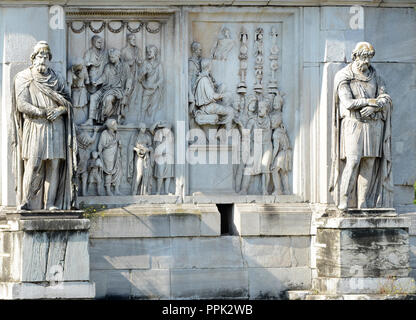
{"x": 157, "y": 260}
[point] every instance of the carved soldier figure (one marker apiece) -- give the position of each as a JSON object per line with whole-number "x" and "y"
{"x": 164, "y": 156}
{"x": 151, "y": 78}
{"x": 84, "y": 142}
{"x": 282, "y": 157}
{"x": 44, "y": 137}
{"x": 194, "y": 68}
{"x": 276, "y": 113}
{"x": 77, "y": 79}
{"x": 361, "y": 141}
{"x": 109, "y": 149}
{"x": 95, "y": 176}
{"x": 116, "y": 87}
{"x": 140, "y": 163}
{"x": 95, "y": 60}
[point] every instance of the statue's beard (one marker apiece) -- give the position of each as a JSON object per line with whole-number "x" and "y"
{"x": 362, "y": 66}
{"x": 41, "y": 68}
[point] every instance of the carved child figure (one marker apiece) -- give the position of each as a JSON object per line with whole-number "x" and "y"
{"x": 95, "y": 177}
{"x": 84, "y": 142}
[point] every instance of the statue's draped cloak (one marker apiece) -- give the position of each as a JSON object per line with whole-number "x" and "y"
{"x": 53, "y": 87}
{"x": 382, "y": 186}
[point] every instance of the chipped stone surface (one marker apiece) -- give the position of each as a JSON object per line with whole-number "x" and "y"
{"x": 362, "y": 252}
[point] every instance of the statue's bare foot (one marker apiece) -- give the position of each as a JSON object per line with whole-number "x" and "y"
{"x": 52, "y": 208}
{"x": 342, "y": 206}
{"x": 243, "y": 192}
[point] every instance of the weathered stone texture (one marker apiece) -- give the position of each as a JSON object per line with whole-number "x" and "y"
{"x": 362, "y": 252}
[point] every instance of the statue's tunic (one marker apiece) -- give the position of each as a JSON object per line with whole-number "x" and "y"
{"x": 41, "y": 138}
{"x": 282, "y": 150}
{"x": 361, "y": 137}
{"x": 95, "y": 60}
{"x": 263, "y": 137}
{"x": 151, "y": 77}
{"x": 84, "y": 142}
{"x": 95, "y": 166}
{"x": 109, "y": 146}
{"x": 114, "y": 79}
{"x": 132, "y": 57}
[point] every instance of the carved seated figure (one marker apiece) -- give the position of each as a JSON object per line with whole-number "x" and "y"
{"x": 208, "y": 110}
{"x": 111, "y": 98}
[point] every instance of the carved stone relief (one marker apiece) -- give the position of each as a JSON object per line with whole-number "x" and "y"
{"x": 118, "y": 89}
{"x": 256, "y": 116}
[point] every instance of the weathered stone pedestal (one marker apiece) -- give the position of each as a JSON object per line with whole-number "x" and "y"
{"x": 362, "y": 254}
{"x": 44, "y": 255}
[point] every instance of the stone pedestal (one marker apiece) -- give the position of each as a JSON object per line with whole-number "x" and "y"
{"x": 361, "y": 254}
{"x": 44, "y": 255}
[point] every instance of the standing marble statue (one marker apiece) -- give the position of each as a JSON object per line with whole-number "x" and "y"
{"x": 109, "y": 149}
{"x": 151, "y": 78}
{"x": 361, "y": 135}
{"x": 140, "y": 162}
{"x": 44, "y": 140}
